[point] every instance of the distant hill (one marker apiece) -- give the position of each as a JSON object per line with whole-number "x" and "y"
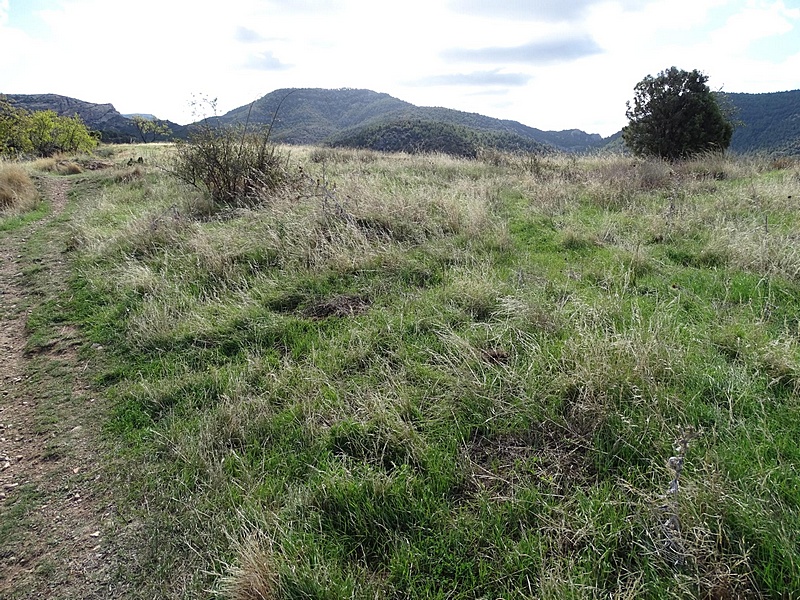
{"x": 310, "y": 116}
{"x": 419, "y": 135}
{"x": 147, "y": 116}
{"x": 769, "y": 122}
{"x": 318, "y": 116}
{"x": 113, "y": 126}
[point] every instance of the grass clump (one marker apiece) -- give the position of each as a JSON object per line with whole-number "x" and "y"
{"x": 18, "y": 193}
{"x": 57, "y": 166}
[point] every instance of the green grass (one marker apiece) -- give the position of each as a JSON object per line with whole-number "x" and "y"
{"x": 453, "y": 378}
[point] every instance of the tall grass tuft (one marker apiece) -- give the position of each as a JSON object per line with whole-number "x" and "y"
{"x": 18, "y": 193}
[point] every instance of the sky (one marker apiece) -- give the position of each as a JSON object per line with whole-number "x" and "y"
{"x": 550, "y": 64}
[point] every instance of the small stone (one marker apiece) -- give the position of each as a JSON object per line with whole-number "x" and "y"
{"x": 95, "y": 534}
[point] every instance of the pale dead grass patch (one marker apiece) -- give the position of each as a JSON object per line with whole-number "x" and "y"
{"x": 18, "y": 193}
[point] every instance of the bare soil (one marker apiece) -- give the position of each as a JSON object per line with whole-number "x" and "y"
{"x": 55, "y": 510}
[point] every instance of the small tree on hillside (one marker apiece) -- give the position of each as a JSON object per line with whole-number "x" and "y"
{"x": 675, "y": 115}
{"x": 150, "y": 129}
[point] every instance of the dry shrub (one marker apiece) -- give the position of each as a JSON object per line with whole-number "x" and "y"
{"x": 17, "y": 191}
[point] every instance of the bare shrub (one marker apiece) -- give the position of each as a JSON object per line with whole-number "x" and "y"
{"x": 17, "y": 191}
{"x": 234, "y": 165}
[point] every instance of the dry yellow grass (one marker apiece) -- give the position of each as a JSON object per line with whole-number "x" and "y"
{"x": 17, "y": 191}
{"x": 58, "y": 166}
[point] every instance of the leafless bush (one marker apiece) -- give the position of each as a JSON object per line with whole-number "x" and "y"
{"x": 234, "y": 165}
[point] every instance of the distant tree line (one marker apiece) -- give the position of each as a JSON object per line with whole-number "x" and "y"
{"x": 41, "y": 133}
{"x": 421, "y": 136}
{"x": 766, "y": 121}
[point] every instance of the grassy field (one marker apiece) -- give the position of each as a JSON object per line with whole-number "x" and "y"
{"x": 423, "y": 377}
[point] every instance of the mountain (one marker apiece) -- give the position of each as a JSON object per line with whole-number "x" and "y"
{"x": 113, "y": 126}
{"x": 316, "y": 116}
{"x": 310, "y": 116}
{"x": 767, "y": 122}
{"x": 146, "y": 116}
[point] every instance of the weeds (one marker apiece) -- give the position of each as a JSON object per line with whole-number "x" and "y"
{"x": 672, "y": 547}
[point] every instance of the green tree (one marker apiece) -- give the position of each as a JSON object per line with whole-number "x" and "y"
{"x": 675, "y": 115}
{"x": 42, "y": 133}
{"x": 14, "y": 139}
{"x": 50, "y": 134}
{"x": 150, "y": 129}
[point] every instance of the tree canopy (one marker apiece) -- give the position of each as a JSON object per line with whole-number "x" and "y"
{"x": 675, "y": 115}
{"x": 42, "y": 133}
{"x": 150, "y": 129}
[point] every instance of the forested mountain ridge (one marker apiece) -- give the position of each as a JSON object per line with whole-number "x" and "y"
{"x": 420, "y": 135}
{"x": 769, "y": 121}
{"x": 313, "y": 116}
{"x": 113, "y": 126}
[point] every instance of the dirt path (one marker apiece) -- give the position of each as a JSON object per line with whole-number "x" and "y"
{"x": 55, "y": 512}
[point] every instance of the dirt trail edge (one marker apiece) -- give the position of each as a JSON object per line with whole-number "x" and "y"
{"x": 55, "y": 510}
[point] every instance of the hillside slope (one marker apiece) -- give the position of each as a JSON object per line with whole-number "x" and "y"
{"x": 113, "y": 126}
{"x": 769, "y": 122}
{"x": 312, "y": 116}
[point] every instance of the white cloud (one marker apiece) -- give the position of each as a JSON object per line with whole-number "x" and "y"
{"x": 757, "y": 21}
{"x": 541, "y": 51}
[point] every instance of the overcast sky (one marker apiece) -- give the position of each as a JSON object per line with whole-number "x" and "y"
{"x": 551, "y": 64}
